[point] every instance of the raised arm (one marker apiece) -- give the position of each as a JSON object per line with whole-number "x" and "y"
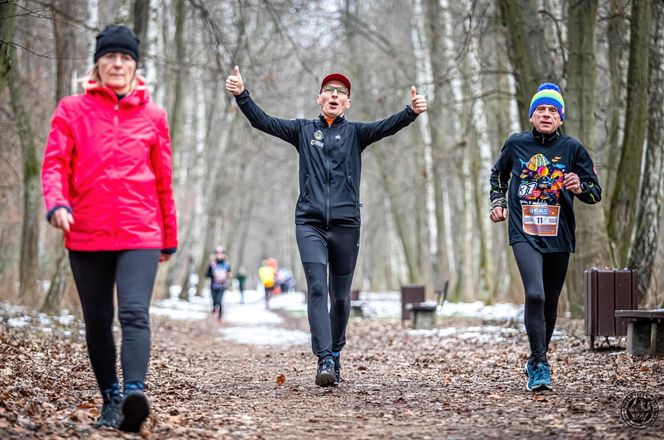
{"x": 286, "y": 129}
{"x": 371, "y": 132}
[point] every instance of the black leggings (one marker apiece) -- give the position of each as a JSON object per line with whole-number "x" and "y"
{"x": 543, "y": 276}
{"x": 337, "y": 246}
{"x": 218, "y": 300}
{"x": 96, "y": 273}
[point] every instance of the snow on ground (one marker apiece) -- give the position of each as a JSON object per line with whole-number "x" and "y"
{"x": 247, "y": 321}
{"x": 251, "y": 323}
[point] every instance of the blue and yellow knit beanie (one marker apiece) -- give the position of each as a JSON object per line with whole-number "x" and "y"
{"x": 548, "y": 94}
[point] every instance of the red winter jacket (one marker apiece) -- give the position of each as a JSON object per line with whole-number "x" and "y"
{"x": 109, "y": 163}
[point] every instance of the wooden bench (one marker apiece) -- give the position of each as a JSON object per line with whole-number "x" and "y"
{"x": 356, "y": 305}
{"x": 645, "y": 331}
{"x": 424, "y": 312}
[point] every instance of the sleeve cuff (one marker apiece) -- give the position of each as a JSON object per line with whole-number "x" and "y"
{"x": 51, "y": 211}
{"x": 500, "y": 201}
{"x": 411, "y": 112}
{"x": 244, "y": 94}
{"x": 169, "y": 251}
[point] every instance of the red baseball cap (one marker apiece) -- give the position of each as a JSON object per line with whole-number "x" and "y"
{"x": 335, "y": 77}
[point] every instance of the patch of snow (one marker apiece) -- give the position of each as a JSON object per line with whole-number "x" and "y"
{"x": 177, "y": 314}
{"x": 20, "y": 321}
{"x": 265, "y": 335}
{"x": 487, "y": 333}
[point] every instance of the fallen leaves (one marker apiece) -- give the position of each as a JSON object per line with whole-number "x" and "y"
{"x": 395, "y": 386}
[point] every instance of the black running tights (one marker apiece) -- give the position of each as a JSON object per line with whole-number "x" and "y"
{"x": 322, "y": 249}
{"x": 96, "y": 274}
{"x": 543, "y": 276}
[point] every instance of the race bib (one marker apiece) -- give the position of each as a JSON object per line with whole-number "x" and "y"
{"x": 540, "y": 220}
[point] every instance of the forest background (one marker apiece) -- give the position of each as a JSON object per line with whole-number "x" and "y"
{"x": 424, "y": 191}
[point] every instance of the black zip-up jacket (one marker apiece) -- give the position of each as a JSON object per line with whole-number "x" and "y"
{"x": 532, "y": 165}
{"x": 330, "y": 159}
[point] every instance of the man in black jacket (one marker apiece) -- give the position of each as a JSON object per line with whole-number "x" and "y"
{"x": 327, "y": 215}
{"x": 544, "y": 171}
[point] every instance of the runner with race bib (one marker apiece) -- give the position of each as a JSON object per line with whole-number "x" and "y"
{"x": 544, "y": 171}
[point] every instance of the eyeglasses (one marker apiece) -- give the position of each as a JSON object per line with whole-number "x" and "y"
{"x": 543, "y": 108}
{"x": 341, "y": 90}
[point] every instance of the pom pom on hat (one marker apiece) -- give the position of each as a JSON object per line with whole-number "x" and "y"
{"x": 548, "y": 94}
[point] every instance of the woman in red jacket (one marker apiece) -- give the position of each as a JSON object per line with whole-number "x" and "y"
{"x": 107, "y": 184}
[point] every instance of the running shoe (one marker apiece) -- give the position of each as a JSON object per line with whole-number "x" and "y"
{"x": 135, "y": 410}
{"x": 325, "y": 375}
{"x": 539, "y": 376}
{"x": 531, "y": 373}
{"x": 111, "y": 411}
{"x": 544, "y": 376}
{"x": 337, "y": 371}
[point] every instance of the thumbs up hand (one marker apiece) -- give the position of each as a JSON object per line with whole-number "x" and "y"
{"x": 417, "y": 102}
{"x": 234, "y": 82}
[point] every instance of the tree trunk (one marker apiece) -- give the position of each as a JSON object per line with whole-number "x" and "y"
{"x": 7, "y": 25}
{"x": 141, "y": 17}
{"x": 624, "y": 201}
{"x": 30, "y": 228}
{"x": 495, "y": 90}
{"x": 592, "y": 241}
{"x": 443, "y": 134}
{"x": 59, "y": 282}
{"x": 175, "y": 112}
{"x": 615, "y": 35}
{"x": 644, "y": 248}
{"x": 528, "y": 53}
{"x": 175, "y": 123}
{"x": 65, "y": 38}
{"x": 401, "y": 222}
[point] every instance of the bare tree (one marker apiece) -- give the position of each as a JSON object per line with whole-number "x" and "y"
{"x": 141, "y": 18}
{"x": 528, "y": 52}
{"x": 442, "y": 129}
{"x": 624, "y": 200}
{"x": 30, "y": 228}
{"x": 644, "y": 248}
{"x": 616, "y": 32}
{"x": 66, "y": 38}
{"x": 592, "y": 242}
{"x": 7, "y": 23}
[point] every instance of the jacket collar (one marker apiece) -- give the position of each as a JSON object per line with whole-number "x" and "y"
{"x": 140, "y": 95}
{"x": 337, "y": 121}
{"x": 543, "y": 138}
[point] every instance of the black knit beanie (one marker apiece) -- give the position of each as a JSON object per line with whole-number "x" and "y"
{"x": 116, "y": 38}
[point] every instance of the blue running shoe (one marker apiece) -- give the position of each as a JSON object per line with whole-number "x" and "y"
{"x": 532, "y": 374}
{"x": 539, "y": 376}
{"x": 544, "y": 376}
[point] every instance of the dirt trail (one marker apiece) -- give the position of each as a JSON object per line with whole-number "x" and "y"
{"x": 397, "y": 385}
